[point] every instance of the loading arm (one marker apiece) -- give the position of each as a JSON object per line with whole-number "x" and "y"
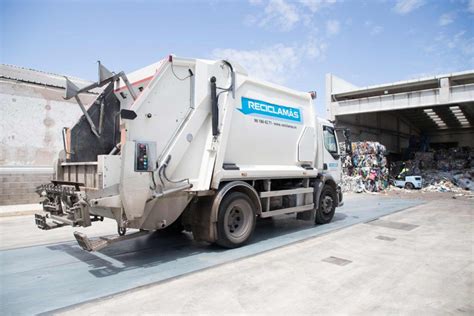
{"x": 105, "y": 77}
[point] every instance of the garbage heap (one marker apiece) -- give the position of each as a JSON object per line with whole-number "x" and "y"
{"x": 445, "y": 170}
{"x": 365, "y": 168}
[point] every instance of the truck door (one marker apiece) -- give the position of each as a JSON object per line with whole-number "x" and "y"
{"x": 331, "y": 162}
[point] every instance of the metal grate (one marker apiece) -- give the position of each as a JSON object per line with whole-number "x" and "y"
{"x": 393, "y": 225}
{"x": 386, "y": 238}
{"x": 337, "y": 261}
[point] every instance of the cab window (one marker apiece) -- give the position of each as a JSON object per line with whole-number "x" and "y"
{"x": 330, "y": 139}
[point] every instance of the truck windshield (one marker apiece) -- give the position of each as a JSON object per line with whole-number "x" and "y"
{"x": 330, "y": 139}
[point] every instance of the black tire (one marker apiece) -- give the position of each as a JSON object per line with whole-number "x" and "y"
{"x": 235, "y": 220}
{"x": 327, "y": 205}
{"x": 409, "y": 186}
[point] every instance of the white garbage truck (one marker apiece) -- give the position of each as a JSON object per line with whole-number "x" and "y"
{"x": 195, "y": 145}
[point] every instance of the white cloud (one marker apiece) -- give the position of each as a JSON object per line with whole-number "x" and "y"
{"x": 407, "y": 6}
{"x": 275, "y": 63}
{"x": 457, "y": 41}
{"x": 316, "y": 5}
{"x": 446, "y": 19}
{"x": 315, "y": 49}
{"x": 280, "y": 13}
{"x": 376, "y": 30}
{"x": 272, "y": 63}
{"x": 457, "y": 47}
{"x": 333, "y": 27}
{"x": 470, "y": 6}
{"x": 284, "y": 15}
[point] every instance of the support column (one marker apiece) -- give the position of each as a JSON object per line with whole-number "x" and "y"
{"x": 444, "y": 91}
{"x": 398, "y": 134}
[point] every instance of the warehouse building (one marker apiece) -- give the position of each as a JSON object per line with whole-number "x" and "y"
{"x": 436, "y": 110}
{"x": 33, "y": 112}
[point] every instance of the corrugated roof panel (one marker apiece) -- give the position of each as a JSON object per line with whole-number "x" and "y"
{"x": 39, "y": 77}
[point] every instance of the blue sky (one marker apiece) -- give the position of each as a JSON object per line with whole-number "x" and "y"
{"x": 290, "y": 42}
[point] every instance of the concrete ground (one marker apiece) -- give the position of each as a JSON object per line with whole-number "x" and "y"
{"x": 21, "y": 231}
{"x": 418, "y": 261}
{"x": 19, "y": 209}
{"x": 56, "y": 264}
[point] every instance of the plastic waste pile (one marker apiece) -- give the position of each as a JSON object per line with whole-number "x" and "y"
{"x": 458, "y": 158}
{"x": 444, "y": 170}
{"x": 365, "y": 168}
{"x": 448, "y": 181}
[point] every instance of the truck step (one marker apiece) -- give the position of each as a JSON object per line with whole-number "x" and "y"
{"x": 88, "y": 244}
{"x": 295, "y": 209}
{"x": 98, "y": 243}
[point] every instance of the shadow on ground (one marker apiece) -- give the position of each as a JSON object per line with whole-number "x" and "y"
{"x": 159, "y": 247}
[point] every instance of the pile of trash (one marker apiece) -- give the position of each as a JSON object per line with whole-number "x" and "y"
{"x": 443, "y": 170}
{"x": 365, "y": 168}
{"x": 443, "y": 181}
{"x": 453, "y": 159}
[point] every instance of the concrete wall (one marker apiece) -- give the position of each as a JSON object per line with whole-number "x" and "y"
{"x": 463, "y": 138}
{"x": 17, "y": 185}
{"x": 387, "y": 128}
{"x": 32, "y": 117}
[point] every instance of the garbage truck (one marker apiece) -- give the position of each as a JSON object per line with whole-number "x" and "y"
{"x": 195, "y": 145}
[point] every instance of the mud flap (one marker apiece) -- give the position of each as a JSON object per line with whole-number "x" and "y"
{"x": 201, "y": 220}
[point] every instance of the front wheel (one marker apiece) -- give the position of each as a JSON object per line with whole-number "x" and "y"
{"x": 409, "y": 186}
{"x": 327, "y": 205}
{"x": 236, "y": 220}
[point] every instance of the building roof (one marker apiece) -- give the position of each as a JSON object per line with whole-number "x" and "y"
{"x": 401, "y": 86}
{"x": 39, "y": 77}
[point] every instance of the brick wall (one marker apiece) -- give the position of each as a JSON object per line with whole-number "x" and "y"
{"x": 18, "y": 186}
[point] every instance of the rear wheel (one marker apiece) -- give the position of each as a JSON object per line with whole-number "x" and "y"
{"x": 409, "y": 186}
{"x": 327, "y": 205}
{"x": 236, "y": 220}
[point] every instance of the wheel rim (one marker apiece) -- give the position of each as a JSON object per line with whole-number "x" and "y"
{"x": 327, "y": 204}
{"x": 238, "y": 219}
